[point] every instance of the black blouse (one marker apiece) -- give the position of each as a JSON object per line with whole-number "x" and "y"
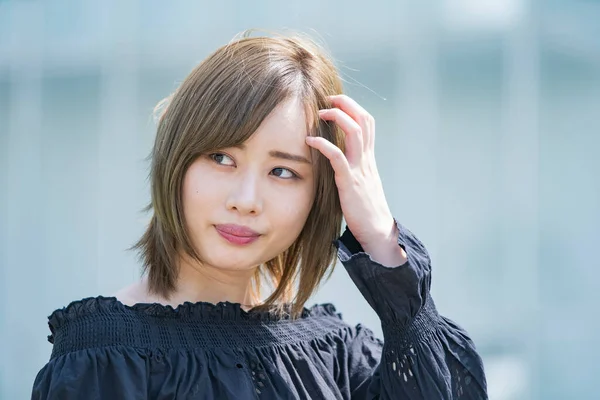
{"x": 103, "y": 349}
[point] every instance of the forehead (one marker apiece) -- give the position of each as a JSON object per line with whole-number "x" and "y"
{"x": 286, "y": 124}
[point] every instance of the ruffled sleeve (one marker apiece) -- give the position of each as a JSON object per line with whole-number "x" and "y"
{"x": 423, "y": 355}
{"x": 92, "y": 374}
{"x": 93, "y": 371}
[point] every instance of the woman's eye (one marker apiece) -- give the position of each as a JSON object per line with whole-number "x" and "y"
{"x": 222, "y": 159}
{"x": 284, "y": 173}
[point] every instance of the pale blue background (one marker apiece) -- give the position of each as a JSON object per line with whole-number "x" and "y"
{"x": 488, "y": 143}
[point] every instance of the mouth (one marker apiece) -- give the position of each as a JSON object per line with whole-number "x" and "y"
{"x": 237, "y": 234}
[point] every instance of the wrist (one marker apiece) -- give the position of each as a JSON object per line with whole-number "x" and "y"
{"x": 384, "y": 248}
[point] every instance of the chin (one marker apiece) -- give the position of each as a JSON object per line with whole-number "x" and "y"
{"x": 225, "y": 261}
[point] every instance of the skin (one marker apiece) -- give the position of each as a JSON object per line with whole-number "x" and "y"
{"x": 254, "y": 187}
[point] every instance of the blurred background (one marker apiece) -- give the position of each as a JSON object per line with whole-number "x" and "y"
{"x": 488, "y": 144}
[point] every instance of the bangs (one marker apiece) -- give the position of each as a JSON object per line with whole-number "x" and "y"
{"x": 234, "y": 94}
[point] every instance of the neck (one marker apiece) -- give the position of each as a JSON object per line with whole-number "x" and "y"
{"x": 206, "y": 283}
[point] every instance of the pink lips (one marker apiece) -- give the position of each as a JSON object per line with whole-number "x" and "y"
{"x": 237, "y": 234}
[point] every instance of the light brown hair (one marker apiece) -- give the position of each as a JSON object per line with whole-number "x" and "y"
{"x": 221, "y": 104}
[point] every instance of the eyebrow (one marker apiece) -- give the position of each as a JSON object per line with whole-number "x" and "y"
{"x": 288, "y": 156}
{"x": 281, "y": 154}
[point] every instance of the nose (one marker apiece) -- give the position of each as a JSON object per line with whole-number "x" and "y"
{"x": 245, "y": 196}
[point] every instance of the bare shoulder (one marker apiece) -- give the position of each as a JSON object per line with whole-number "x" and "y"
{"x": 133, "y": 294}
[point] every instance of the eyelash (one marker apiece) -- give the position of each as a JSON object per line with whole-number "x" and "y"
{"x": 293, "y": 177}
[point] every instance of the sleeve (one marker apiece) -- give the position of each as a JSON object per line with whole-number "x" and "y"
{"x": 423, "y": 355}
{"x": 92, "y": 374}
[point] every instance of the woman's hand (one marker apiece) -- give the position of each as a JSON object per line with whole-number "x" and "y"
{"x": 363, "y": 202}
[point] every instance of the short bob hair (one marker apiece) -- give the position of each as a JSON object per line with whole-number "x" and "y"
{"x": 220, "y": 104}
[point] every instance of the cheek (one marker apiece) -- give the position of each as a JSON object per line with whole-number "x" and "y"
{"x": 196, "y": 193}
{"x": 295, "y": 210}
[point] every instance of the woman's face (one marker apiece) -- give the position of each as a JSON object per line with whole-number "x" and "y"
{"x": 244, "y": 206}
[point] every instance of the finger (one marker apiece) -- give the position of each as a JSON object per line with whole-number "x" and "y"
{"x": 334, "y": 154}
{"x": 360, "y": 115}
{"x": 353, "y": 131}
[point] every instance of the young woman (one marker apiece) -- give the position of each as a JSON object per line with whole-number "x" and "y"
{"x": 257, "y": 157}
